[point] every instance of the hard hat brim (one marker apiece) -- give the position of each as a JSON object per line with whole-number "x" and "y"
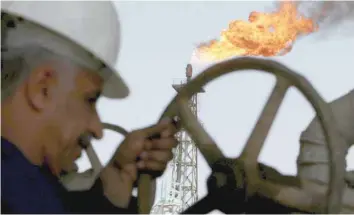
{"x": 114, "y": 86}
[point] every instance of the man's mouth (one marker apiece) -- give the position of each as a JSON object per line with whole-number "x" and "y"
{"x": 81, "y": 145}
{"x": 83, "y": 141}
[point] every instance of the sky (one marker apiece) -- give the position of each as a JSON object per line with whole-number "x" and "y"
{"x": 158, "y": 39}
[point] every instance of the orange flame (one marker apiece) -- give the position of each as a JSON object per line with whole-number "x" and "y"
{"x": 266, "y": 34}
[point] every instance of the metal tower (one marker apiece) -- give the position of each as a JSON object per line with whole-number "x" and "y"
{"x": 182, "y": 190}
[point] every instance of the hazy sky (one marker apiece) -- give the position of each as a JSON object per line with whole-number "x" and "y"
{"x": 158, "y": 39}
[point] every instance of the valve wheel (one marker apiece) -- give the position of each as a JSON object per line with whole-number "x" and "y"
{"x": 287, "y": 195}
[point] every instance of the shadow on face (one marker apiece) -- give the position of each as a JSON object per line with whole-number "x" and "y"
{"x": 79, "y": 114}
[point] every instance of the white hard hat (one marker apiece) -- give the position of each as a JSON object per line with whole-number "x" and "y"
{"x": 86, "y": 31}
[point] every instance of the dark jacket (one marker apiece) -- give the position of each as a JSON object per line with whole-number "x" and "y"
{"x": 26, "y": 188}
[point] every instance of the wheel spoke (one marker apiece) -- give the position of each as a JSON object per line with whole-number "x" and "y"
{"x": 256, "y": 140}
{"x": 264, "y": 123}
{"x": 204, "y": 142}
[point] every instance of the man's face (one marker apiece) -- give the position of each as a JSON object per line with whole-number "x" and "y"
{"x": 69, "y": 114}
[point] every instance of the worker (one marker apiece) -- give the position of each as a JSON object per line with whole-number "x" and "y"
{"x": 313, "y": 161}
{"x": 57, "y": 58}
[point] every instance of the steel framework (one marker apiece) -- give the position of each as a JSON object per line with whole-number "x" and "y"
{"x": 182, "y": 190}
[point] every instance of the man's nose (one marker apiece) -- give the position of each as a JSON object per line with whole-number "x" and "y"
{"x": 96, "y": 127}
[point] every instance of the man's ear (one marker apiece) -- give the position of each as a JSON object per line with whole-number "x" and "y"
{"x": 40, "y": 86}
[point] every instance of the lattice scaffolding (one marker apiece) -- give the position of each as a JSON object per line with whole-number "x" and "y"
{"x": 182, "y": 179}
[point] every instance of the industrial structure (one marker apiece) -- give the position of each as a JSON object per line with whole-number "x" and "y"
{"x": 179, "y": 190}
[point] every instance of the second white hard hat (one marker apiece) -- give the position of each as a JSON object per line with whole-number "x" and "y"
{"x": 86, "y": 31}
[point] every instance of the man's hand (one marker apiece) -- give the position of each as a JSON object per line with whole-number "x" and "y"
{"x": 138, "y": 152}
